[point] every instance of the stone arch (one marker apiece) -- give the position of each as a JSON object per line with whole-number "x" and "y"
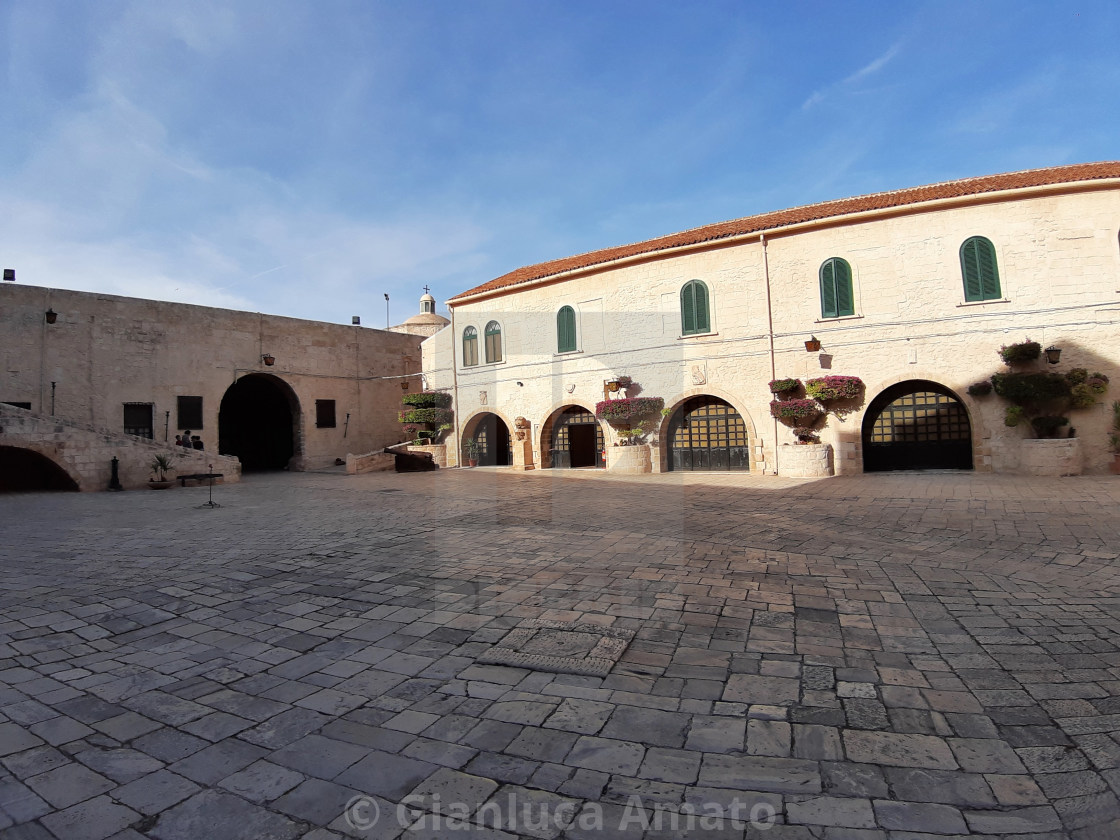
{"x": 546, "y": 428}
{"x": 950, "y": 442}
{"x": 28, "y": 469}
{"x": 980, "y": 428}
{"x": 260, "y": 422}
{"x": 660, "y": 450}
{"x": 471, "y": 425}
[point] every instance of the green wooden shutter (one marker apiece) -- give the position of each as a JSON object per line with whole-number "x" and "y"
{"x": 989, "y": 276}
{"x": 970, "y": 268}
{"x": 688, "y": 310}
{"x": 565, "y": 330}
{"x": 828, "y": 290}
{"x": 703, "y": 325}
{"x": 845, "y": 300}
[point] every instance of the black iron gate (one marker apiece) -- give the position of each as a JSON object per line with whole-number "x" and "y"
{"x": 917, "y": 426}
{"x": 706, "y": 433}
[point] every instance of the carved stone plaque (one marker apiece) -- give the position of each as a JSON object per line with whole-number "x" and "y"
{"x": 559, "y": 647}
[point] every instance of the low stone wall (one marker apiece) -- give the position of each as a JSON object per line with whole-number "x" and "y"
{"x": 1060, "y": 456}
{"x": 813, "y": 460}
{"x": 630, "y": 460}
{"x": 438, "y": 453}
{"x": 85, "y": 453}
{"x": 370, "y": 462}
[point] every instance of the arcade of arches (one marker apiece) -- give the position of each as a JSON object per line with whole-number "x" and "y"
{"x": 916, "y": 425}
{"x": 491, "y": 434}
{"x": 575, "y": 439}
{"x": 707, "y": 433}
{"x": 257, "y": 422}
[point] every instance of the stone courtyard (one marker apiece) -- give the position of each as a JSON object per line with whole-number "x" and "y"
{"x": 880, "y": 657}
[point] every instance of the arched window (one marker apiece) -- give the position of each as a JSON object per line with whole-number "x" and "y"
{"x": 470, "y": 347}
{"x": 694, "y": 308}
{"x": 978, "y": 267}
{"x": 836, "y": 289}
{"x": 493, "y": 342}
{"x": 565, "y": 330}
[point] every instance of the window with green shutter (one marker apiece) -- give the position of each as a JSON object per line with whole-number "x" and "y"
{"x": 493, "y": 342}
{"x": 978, "y": 268}
{"x": 837, "y": 299}
{"x": 470, "y": 347}
{"x": 566, "y": 330}
{"x": 694, "y": 308}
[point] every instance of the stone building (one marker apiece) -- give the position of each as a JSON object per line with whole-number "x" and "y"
{"x": 273, "y": 392}
{"x": 913, "y": 291}
{"x": 426, "y": 322}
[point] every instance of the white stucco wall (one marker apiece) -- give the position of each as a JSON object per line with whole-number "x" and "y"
{"x": 1059, "y": 268}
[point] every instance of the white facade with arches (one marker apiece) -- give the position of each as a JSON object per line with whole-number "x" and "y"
{"x": 922, "y": 299}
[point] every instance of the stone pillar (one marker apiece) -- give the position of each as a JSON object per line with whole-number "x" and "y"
{"x": 521, "y": 445}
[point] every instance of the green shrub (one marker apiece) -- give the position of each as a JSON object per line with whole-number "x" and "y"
{"x": 784, "y": 386}
{"x": 831, "y": 388}
{"x": 1047, "y": 426}
{"x": 427, "y": 399}
{"x": 1027, "y": 389}
{"x": 1076, "y": 376}
{"x": 628, "y": 410}
{"x": 1014, "y": 415}
{"x": 1081, "y": 396}
{"x": 1026, "y": 351}
{"x": 800, "y": 413}
{"x": 980, "y": 389}
{"x": 425, "y": 415}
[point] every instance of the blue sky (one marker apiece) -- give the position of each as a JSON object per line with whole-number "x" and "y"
{"x": 305, "y": 158}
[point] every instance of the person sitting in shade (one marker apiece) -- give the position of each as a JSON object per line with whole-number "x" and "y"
{"x": 196, "y": 442}
{"x": 186, "y": 440}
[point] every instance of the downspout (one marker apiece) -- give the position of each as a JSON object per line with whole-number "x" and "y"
{"x": 454, "y": 384}
{"x": 770, "y": 337}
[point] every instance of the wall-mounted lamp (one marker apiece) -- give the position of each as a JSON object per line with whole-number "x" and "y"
{"x": 520, "y": 384}
{"x": 356, "y": 320}
{"x": 813, "y": 344}
{"x": 1053, "y": 354}
{"x": 404, "y": 384}
{"x": 268, "y": 359}
{"x": 10, "y": 275}
{"x": 52, "y": 316}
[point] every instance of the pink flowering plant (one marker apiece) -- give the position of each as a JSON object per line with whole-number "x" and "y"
{"x": 797, "y": 413}
{"x": 628, "y": 410}
{"x": 834, "y": 388}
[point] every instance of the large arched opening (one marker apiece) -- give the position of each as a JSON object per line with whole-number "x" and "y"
{"x": 572, "y": 439}
{"x": 258, "y": 422}
{"x": 491, "y": 436}
{"x": 707, "y": 433}
{"x": 26, "y": 471}
{"x": 916, "y": 425}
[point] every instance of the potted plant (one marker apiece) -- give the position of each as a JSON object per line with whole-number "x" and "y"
{"x": 834, "y": 388}
{"x": 784, "y": 387}
{"x": 161, "y": 465}
{"x": 1026, "y": 351}
{"x": 473, "y": 449}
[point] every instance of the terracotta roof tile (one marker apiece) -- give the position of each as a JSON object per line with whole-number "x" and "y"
{"x": 810, "y": 212}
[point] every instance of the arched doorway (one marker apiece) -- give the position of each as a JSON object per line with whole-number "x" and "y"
{"x": 916, "y": 425}
{"x": 24, "y": 471}
{"x": 576, "y": 439}
{"x": 492, "y": 436}
{"x": 258, "y": 422}
{"x": 707, "y": 433}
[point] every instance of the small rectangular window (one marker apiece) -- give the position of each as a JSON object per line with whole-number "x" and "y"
{"x": 138, "y": 419}
{"x": 190, "y": 413}
{"x": 324, "y": 414}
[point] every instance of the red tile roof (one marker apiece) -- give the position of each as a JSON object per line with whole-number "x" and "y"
{"x": 810, "y": 212}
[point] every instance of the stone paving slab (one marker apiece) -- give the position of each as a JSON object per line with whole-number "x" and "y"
{"x": 890, "y": 657}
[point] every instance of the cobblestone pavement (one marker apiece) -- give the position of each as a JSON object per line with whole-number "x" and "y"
{"x": 893, "y": 657}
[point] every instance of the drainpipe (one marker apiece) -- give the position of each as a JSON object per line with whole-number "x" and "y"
{"x": 770, "y": 336}
{"x": 454, "y": 383}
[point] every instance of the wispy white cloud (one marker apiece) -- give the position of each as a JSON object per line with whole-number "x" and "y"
{"x": 870, "y": 69}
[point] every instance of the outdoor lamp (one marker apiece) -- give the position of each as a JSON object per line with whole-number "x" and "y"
{"x": 1053, "y": 354}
